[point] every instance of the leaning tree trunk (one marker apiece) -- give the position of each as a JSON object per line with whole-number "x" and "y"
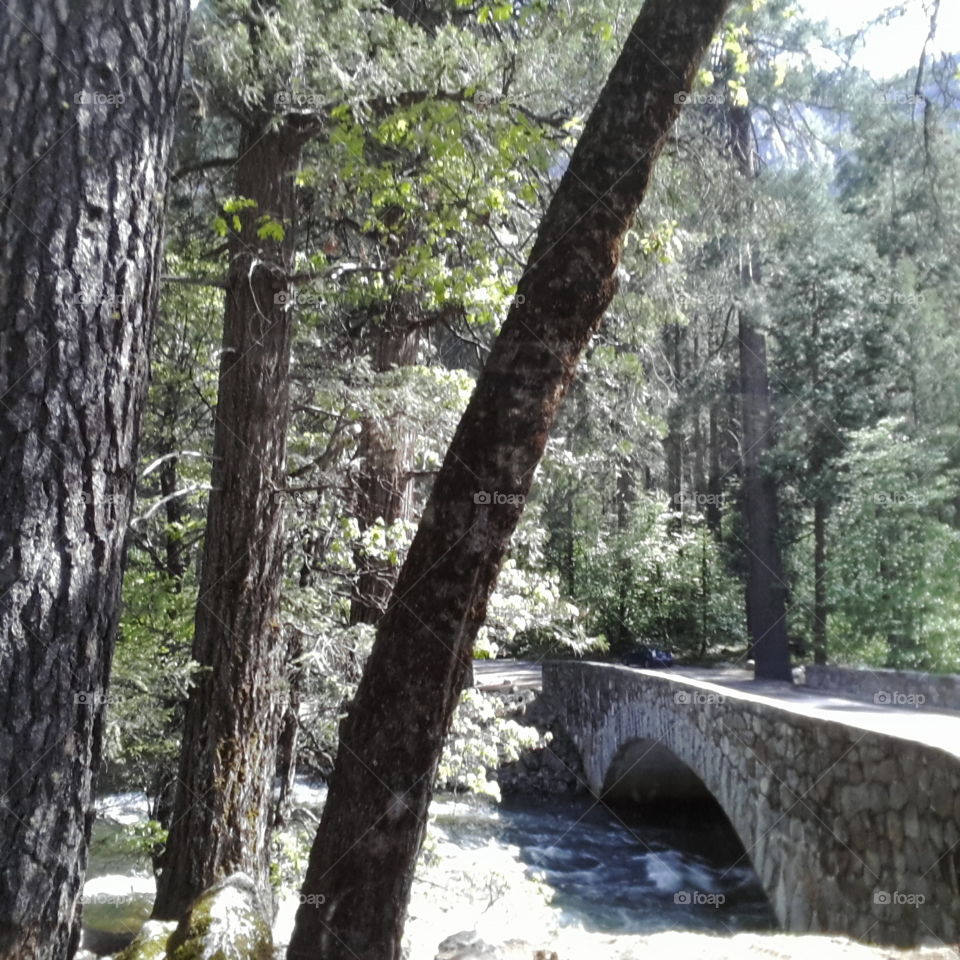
{"x": 361, "y": 867}
{"x": 86, "y": 120}
{"x": 223, "y": 807}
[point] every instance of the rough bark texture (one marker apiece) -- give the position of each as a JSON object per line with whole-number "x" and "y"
{"x": 361, "y": 866}
{"x": 86, "y": 120}
{"x": 222, "y": 812}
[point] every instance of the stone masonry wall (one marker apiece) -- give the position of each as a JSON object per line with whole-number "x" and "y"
{"x": 850, "y": 831}
{"x": 908, "y": 688}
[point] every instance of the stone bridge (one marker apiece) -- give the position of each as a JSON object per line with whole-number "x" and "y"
{"x": 849, "y": 812}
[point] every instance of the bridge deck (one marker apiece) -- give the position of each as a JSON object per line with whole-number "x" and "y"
{"x": 940, "y": 729}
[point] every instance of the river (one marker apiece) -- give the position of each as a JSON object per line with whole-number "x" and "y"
{"x": 521, "y": 869}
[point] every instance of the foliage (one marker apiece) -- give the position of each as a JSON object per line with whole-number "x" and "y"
{"x": 664, "y": 587}
{"x": 895, "y": 596}
{"x": 480, "y": 740}
{"x": 430, "y": 152}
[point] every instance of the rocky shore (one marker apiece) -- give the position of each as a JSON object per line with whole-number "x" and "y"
{"x": 553, "y": 770}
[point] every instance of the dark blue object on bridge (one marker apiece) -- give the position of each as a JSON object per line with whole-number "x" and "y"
{"x": 648, "y": 657}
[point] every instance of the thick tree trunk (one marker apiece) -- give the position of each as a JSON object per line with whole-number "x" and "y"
{"x": 86, "y": 121}
{"x": 765, "y": 595}
{"x": 766, "y": 588}
{"x": 222, "y": 814}
{"x": 362, "y": 862}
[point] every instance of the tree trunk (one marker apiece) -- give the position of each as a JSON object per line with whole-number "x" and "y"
{"x": 765, "y": 594}
{"x": 289, "y": 730}
{"x": 819, "y": 581}
{"x": 715, "y": 475}
{"x": 766, "y": 588}
{"x": 174, "y": 511}
{"x": 222, "y": 814}
{"x": 673, "y": 442}
{"x": 386, "y": 452}
{"x": 85, "y": 130}
{"x": 361, "y": 866}
{"x": 626, "y": 500}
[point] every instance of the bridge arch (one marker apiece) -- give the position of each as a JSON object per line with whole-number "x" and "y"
{"x": 649, "y": 774}
{"x": 850, "y": 830}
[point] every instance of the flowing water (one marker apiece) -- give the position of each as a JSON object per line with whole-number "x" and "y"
{"x": 521, "y": 869}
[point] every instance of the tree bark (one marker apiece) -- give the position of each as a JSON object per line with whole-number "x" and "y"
{"x": 289, "y": 736}
{"x": 715, "y": 474}
{"x": 765, "y": 594}
{"x": 626, "y": 502}
{"x": 673, "y": 442}
{"x": 361, "y": 866}
{"x": 766, "y": 588}
{"x": 386, "y": 452}
{"x": 819, "y": 581}
{"x": 223, "y": 808}
{"x": 86, "y": 122}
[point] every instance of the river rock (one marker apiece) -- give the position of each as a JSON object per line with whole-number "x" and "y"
{"x": 226, "y": 922}
{"x": 151, "y": 942}
{"x": 465, "y": 945}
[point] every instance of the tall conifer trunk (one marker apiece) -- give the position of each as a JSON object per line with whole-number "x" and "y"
{"x": 223, "y": 811}
{"x": 86, "y": 121}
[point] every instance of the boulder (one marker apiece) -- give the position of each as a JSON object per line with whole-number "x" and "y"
{"x": 226, "y": 922}
{"x": 151, "y": 942}
{"x": 465, "y": 945}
